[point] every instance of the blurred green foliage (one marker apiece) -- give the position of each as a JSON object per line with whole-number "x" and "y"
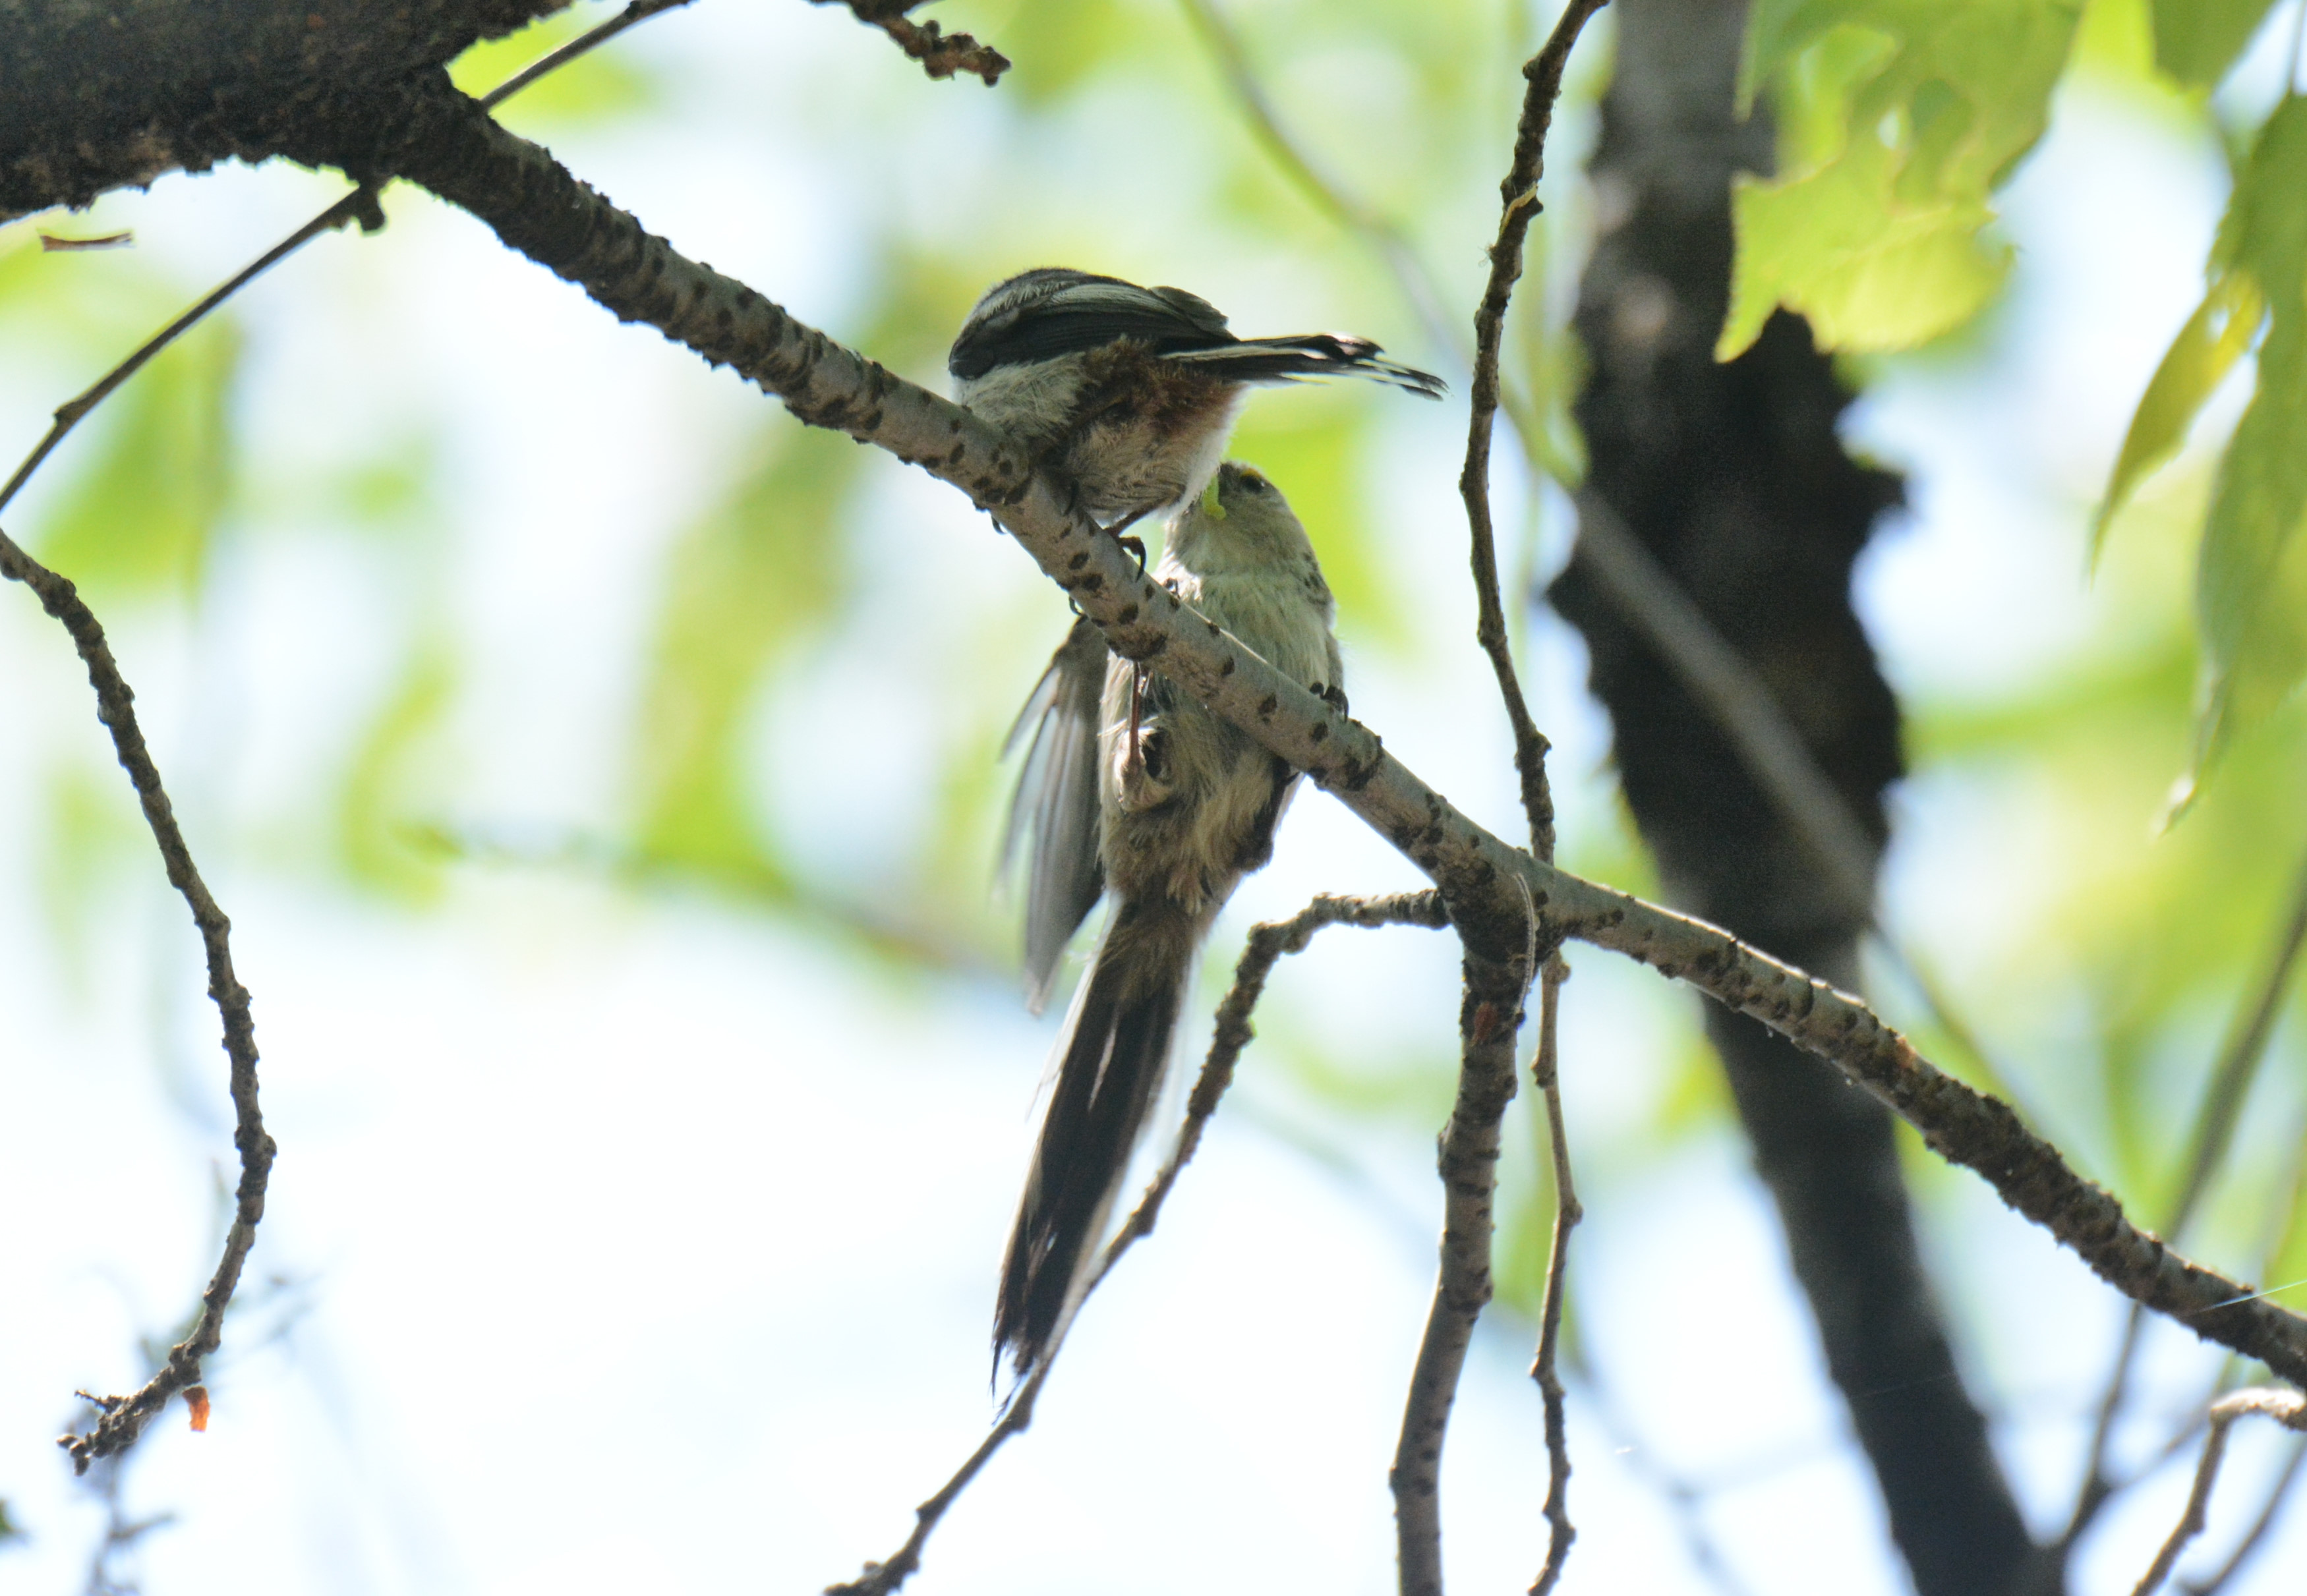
{"x": 148, "y": 501}
{"x": 1897, "y": 118}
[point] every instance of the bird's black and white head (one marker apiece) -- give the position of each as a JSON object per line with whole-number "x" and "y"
{"x": 1128, "y": 393}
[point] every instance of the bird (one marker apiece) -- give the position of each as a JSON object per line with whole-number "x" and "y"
{"x": 1129, "y": 394}
{"x": 1184, "y": 806}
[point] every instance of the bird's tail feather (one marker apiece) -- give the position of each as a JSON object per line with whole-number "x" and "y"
{"x": 1109, "y": 1070}
{"x": 1309, "y": 355}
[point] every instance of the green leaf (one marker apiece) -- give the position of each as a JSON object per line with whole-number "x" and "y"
{"x": 2250, "y": 589}
{"x": 2199, "y": 359}
{"x": 1897, "y": 119}
{"x": 142, "y": 513}
{"x": 2197, "y": 41}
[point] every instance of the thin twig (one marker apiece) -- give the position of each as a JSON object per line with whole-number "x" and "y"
{"x": 1519, "y": 193}
{"x": 70, "y": 413}
{"x": 941, "y": 54}
{"x": 1266, "y": 945}
{"x": 2286, "y": 1408}
{"x": 554, "y": 60}
{"x": 2223, "y": 1093}
{"x": 1545, "y": 1072}
{"x": 1489, "y": 1019}
{"x": 360, "y": 205}
{"x": 125, "y": 1417}
{"x": 2259, "y": 1526}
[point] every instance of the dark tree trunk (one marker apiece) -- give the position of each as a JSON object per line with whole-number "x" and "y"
{"x": 1733, "y": 478}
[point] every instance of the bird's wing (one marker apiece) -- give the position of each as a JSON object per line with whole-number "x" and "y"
{"x": 1056, "y": 801}
{"x": 1080, "y": 312}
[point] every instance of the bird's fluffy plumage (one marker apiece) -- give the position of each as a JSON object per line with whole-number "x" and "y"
{"x": 1185, "y": 806}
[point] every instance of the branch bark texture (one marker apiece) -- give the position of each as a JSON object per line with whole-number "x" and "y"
{"x": 1518, "y": 207}
{"x": 104, "y": 94}
{"x": 1489, "y": 1020}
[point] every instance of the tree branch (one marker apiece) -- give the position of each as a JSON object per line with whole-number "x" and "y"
{"x": 125, "y": 1417}
{"x": 1519, "y": 192}
{"x": 2259, "y": 1524}
{"x": 2286, "y": 1408}
{"x": 1545, "y": 1074}
{"x": 359, "y": 205}
{"x": 1266, "y": 945}
{"x": 2223, "y": 1093}
{"x": 539, "y": 208}
{"x": 942, "y": 55}
{"x": 102, "y": 97}
{"x": 1489, "y": 1019}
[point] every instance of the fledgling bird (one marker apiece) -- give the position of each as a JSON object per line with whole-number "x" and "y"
{"x": 1130, "y": 393}
{"x": 1186, "y": 806}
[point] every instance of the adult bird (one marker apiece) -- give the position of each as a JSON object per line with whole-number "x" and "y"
{"x": 1129, "y": 394}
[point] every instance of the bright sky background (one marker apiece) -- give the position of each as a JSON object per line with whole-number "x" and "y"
{"x": 631, "y": 1242}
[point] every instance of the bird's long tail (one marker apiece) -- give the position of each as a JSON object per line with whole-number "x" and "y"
{"x": 1109, "y": 1070}
{"x": 1309, "y": 355}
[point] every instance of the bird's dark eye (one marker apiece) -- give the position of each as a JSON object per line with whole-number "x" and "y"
{"x": 1255, "y": 482}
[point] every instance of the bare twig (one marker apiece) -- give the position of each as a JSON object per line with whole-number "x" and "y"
{"x": 1266, "y": 945}
{"x": 552, "y": 61}
{"x": 1519, "y": 191}
{"x": 2259, "y": 1526}
{"x": 1489, "y": 1019}
{"x": 2223, "y": 1093}
{"x": 2286, "y": 1408}
{"x": 69, "y": 415}
{"x": 360, "y": 205}
{"x": 125, "y": 1417}
{"x": 942, "y": 55}
{"x": 1545, "y": 1071}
